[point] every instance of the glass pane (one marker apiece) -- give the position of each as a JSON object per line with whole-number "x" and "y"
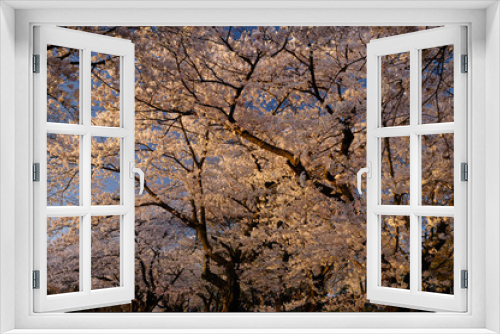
{"x": 63, "y": 177}
{"x": 63, "y": 85}
{"x": 395, "y": 259}
{"x": 437, "y": 84}
{"x": 437, "y": 254}
{"x": 105, "y": 252}
{"x": 395, "y": 168}
{"x": 437, "y": 169}
{"x": 105, "y": 171}
{"x": 105, "y": 89}
{"x": 63, "y": 255}
{"x": 395, "y": 75}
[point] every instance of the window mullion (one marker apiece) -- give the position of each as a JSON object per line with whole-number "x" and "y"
{"x": 414, "y": 171}
{"x": 86, "y": 179}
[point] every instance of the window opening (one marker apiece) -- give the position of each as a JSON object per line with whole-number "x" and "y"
{"x": 250, "y": 138}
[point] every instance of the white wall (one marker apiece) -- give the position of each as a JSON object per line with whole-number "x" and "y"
{"x": 7, "y": 185}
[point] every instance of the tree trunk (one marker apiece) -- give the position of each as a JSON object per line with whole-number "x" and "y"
{"x": 232, "y": 295}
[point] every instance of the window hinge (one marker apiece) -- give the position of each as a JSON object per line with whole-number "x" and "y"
{"x": 464, "y": 171}
{"x": 36, "y": 63}
{"x": 465, "y": 279}
{"x": 465, "y": 64}
{"x": 36, "y": 279}
{"x": 36, "y": 172}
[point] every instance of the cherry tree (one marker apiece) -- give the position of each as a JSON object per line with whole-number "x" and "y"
{"x": 250, "y": 138}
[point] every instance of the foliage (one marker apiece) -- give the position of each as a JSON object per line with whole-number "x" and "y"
{"x": 250, "y": 138}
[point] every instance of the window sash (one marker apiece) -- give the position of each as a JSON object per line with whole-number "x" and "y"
{"x": 413, "y": 43}
{"x": 85, "y": 298}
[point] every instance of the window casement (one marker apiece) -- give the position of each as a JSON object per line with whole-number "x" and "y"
{"x": 68, "y": 143}
{"x": 69, "y": 137}
{"x": 398, "y": 215}
{"x": 482, "y": 123}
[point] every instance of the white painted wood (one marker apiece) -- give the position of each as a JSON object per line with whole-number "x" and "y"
{"x": 372, "y": 148}
{"x": 7, "y": 167}
{"x": 246, "y": 4}
{"x": 443, "y": 322}
{"x": 492, "y": 164}
{"x": 461, "y": 155}
{"x": 415, "y": 172}
{"x": 94, "y": 210}
{"x": 413, "y": 43}
{"x": 432, "y": 129}
{"x": 77, "y": 129}
{"x": 393, "y": 131}
{"x": 86, "y": 298}
{"x": 258, "y": 331}
{"x": 406, "y": 210}
{"x": 420, "y": 129}
{"x": 85, "y": 179}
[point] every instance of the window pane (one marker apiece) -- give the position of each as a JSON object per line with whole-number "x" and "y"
{"x": 63, "y": 255}
{"x": 395, "y": 169}
{"x": 437, "y": 254}
{"x": 437, "y": 169}
{"x": 105, "y": 89}
{"x": 63, "y": 85}
{"x": 105, "y": 252}
{"x": 63, "y": 177}
{"x": 395, "y": 259}
{"x": 105, "y": 171}
{"x": 395, "y": 75}
{"x": 437, "y": 84}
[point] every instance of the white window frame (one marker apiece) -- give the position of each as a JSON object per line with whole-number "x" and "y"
{"x": 413, "y": 44}
{"x": 86, "y": 297}
{"x": 484, "y": 103}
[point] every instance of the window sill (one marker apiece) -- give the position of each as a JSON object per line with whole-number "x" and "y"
{"x": 250, "y": 331}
